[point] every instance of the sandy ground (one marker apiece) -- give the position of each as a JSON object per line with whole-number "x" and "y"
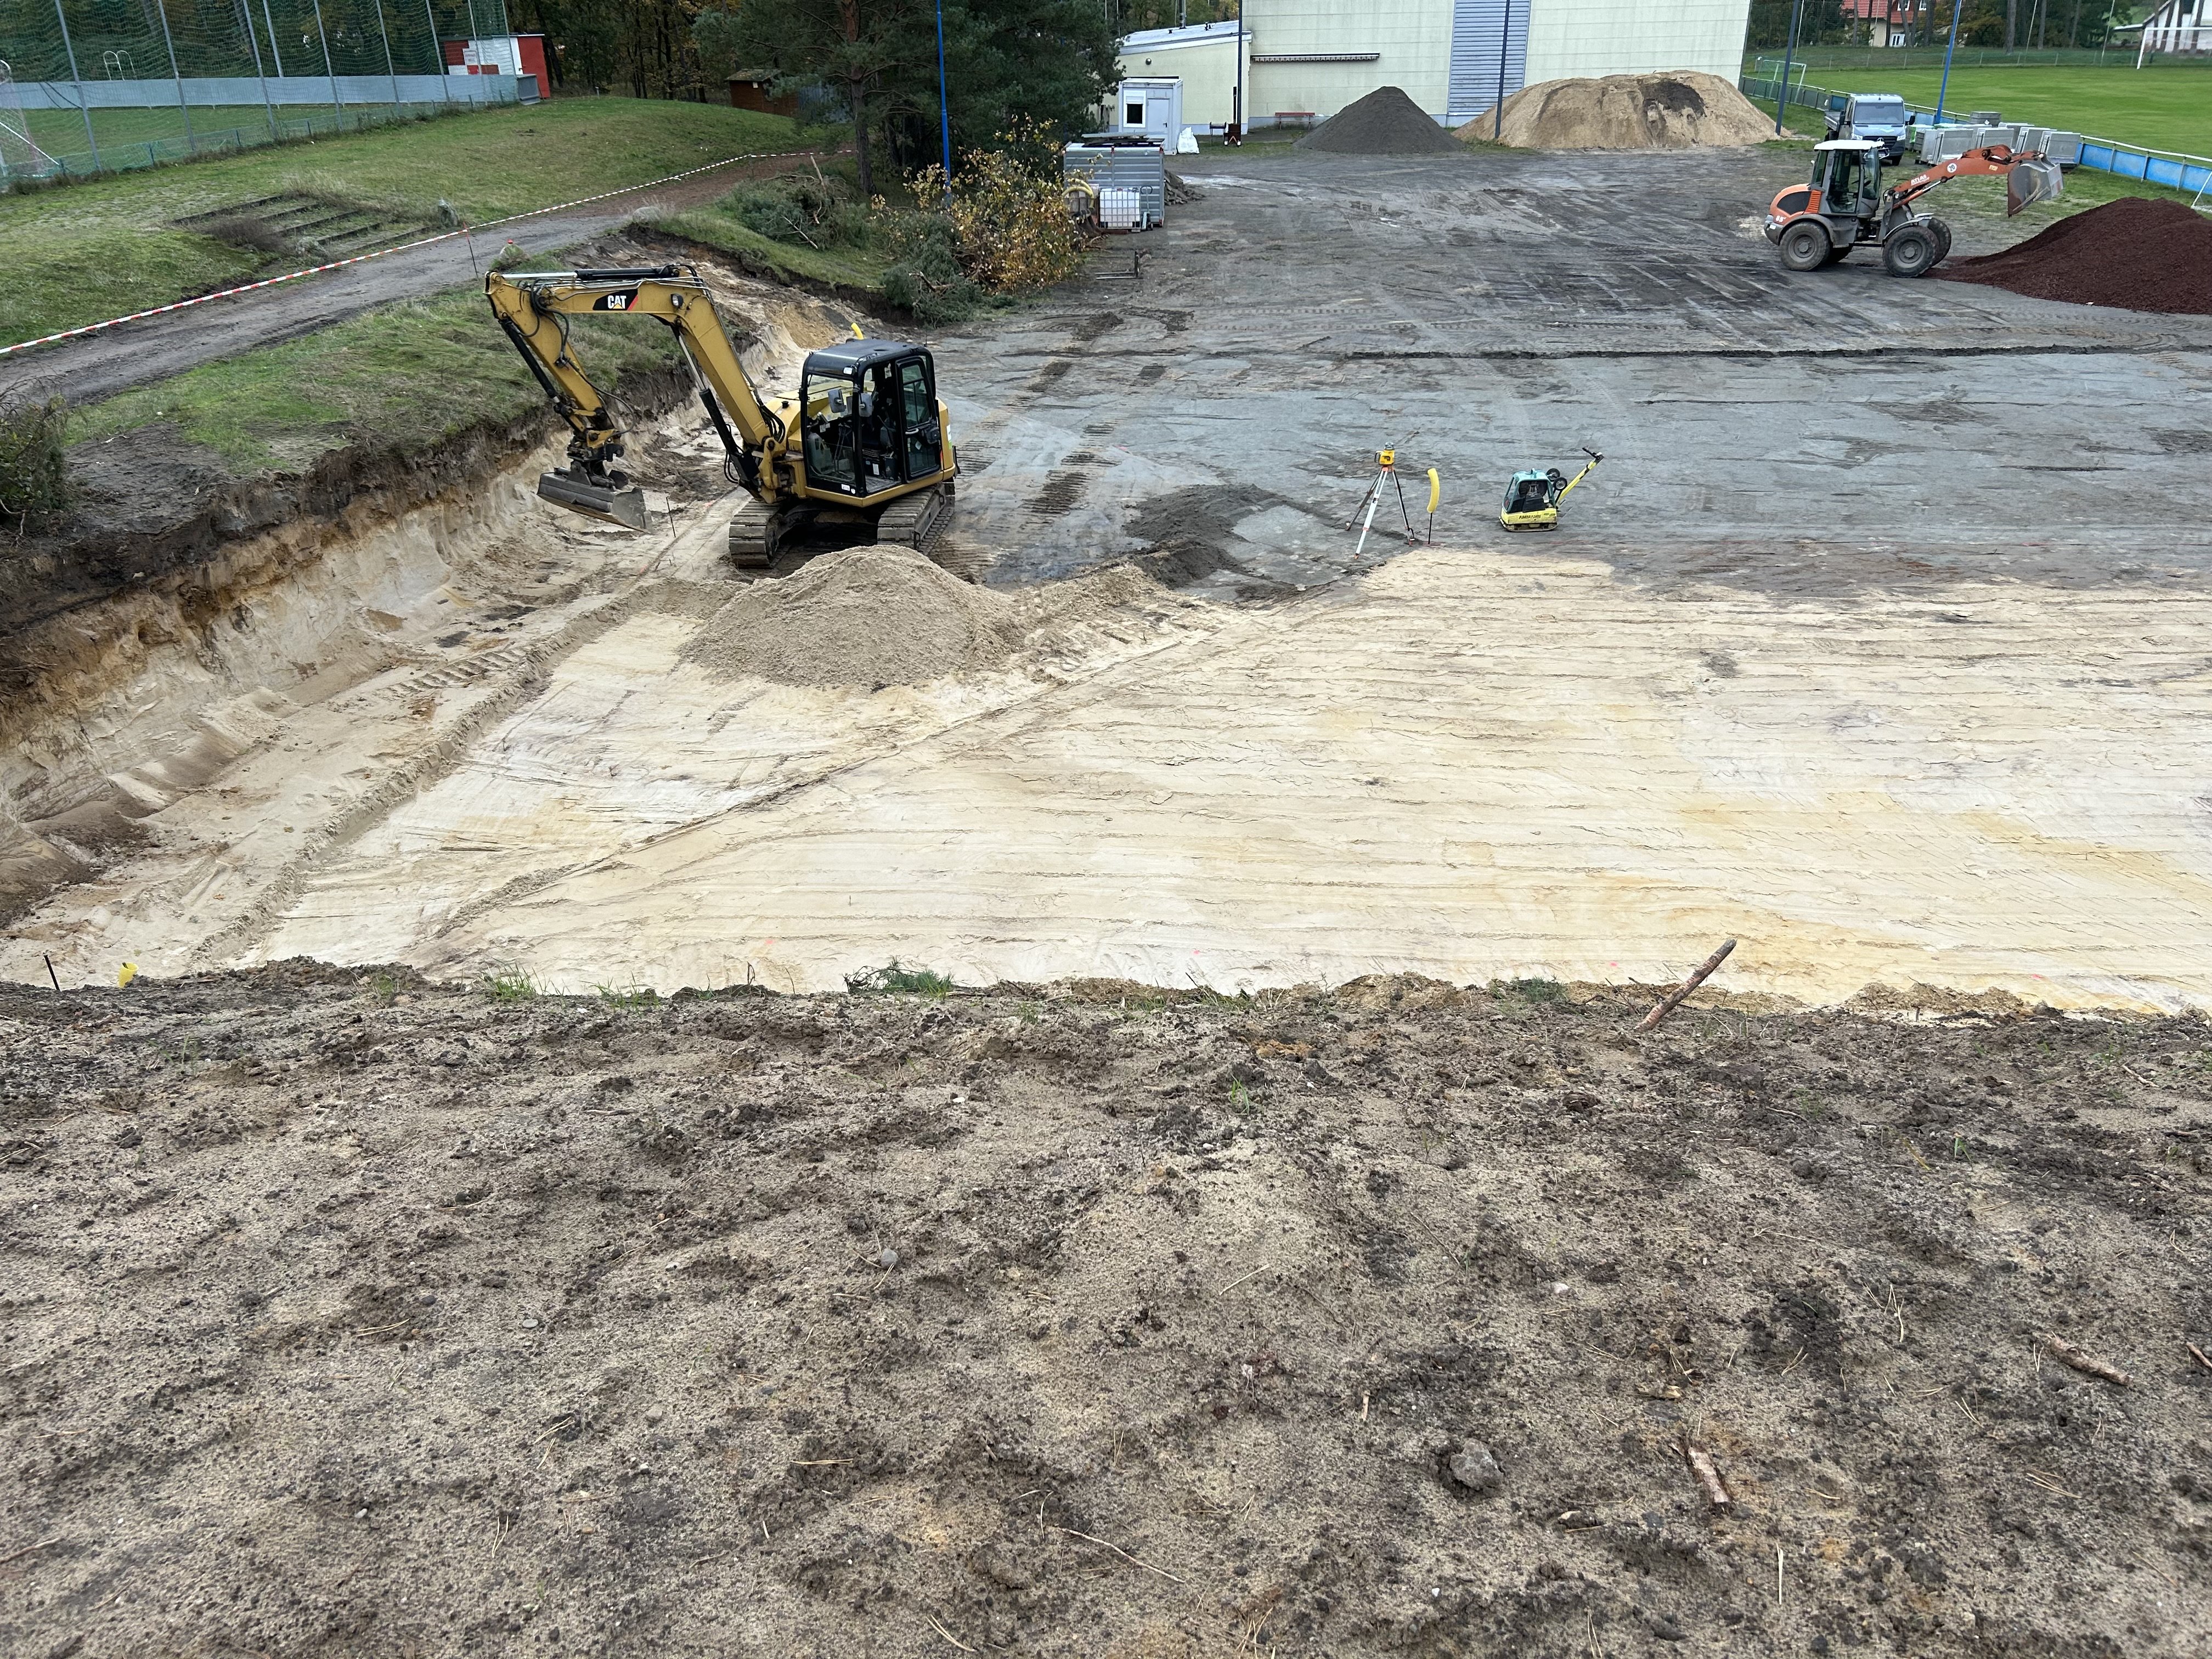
{"x": 347, "y": 1316}
{"x": 1869, "y": 645}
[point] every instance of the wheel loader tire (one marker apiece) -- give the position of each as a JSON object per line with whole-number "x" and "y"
{"x": 1835, "y": 256}
{"x": 1805, "y": 246}
{"x": 1912, "y": 251}
{"x": 1942, "y": 239}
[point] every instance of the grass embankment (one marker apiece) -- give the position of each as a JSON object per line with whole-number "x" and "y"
{"x": 838, "y": 263}
{"x": 81, "y": 253}
{"x": 2164, "y": 106}
{"x": 402, "y": 377}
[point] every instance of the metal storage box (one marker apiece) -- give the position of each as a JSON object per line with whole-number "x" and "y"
{"x": 1140, "y": 167}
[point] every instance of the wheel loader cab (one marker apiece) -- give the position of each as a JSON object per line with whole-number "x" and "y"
{"x": 1848, "y": 175}
{"x": 870, "y": 419}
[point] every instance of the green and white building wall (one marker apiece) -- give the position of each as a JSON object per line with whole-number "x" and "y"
{"x": 1303, "y": 60}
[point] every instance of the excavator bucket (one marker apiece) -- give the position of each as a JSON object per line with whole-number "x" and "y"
{"x": 2030, "y": 182}
{"x": 621, "y": 507}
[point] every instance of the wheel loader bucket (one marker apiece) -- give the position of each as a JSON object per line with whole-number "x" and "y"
{"x": 2030, "y": 182}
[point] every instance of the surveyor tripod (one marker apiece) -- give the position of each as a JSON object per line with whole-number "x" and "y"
{"x": 1364, "y": 514}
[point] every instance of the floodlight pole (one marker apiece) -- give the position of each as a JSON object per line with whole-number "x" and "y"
{"x": 337, "y": 102}
{"x": 438, "y": 56}
{"x": 83, "y": 108}
{"x": 392, "y": 74}
{"x": 944, "y": 102}
{"x": 178, "y": 75}
{"x": 1782, "y": 98}
{"x": 260, "y": 71}
{"x": 1944, "y": 90}
{"x": 1504, "y": 49}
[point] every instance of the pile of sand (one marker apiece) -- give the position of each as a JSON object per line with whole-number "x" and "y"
{"x": 1680, "y": 109}
{"x": 886, "y": 616}
{"x": 1384, "y": 123}
{"x": 867, "y": 616}
{"x": 2140, "y": 253}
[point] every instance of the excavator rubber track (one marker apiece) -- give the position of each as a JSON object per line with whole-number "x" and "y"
{"x": 914, "y": 521}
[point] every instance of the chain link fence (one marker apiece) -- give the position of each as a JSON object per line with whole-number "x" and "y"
{"x": 91, "y": 85}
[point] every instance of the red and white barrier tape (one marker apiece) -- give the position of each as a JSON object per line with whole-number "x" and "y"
{"x": 401, "y": 247}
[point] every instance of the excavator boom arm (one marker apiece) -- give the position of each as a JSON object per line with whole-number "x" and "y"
{"x": 534, "y": 309}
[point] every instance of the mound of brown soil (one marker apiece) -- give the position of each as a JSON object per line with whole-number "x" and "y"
{"x": 1682, "y": 109}
{"x": 1385, "y": 122}
{"x": 2139, "y": 252}
{"x": 879, "y": 615}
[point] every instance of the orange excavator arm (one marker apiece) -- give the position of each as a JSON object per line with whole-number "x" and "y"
{"x": 2029, "y": 176}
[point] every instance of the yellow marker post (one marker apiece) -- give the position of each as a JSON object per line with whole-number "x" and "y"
{"x": 127, "y": 973}
{"x": 1436, "y": 495}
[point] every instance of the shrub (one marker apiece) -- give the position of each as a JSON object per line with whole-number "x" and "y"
{"x": 896, "y": 979}
{"x": 924, "y": 274}
{"x": 797, "y": 210}
{"x": 34, "y": 478}
{"x": 1008, "y": 211}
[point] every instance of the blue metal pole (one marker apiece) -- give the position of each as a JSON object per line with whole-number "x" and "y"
{"x": 1504, "y": 51}
{"x": 1782, "y": 98}
{"x": 1941, "y": 90}
{"x": 944, "y": 104}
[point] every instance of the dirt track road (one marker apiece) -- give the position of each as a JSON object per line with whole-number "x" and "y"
{"x": 100, "y": 365}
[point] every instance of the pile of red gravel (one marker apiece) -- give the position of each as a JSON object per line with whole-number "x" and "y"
{"x": 2139, "y": 254}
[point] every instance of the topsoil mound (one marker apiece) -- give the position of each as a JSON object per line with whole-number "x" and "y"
{"x": 2139, "y": 252}
{"x": 1682, "y": 109}
{"x": 880, "y": 615}
{"x": 1385, "y": 122}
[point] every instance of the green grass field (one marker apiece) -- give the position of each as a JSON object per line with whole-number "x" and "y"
{"x": 2164, "y": 106}
{"x": 403, "y": 376}
{"x": 77, "y": 253}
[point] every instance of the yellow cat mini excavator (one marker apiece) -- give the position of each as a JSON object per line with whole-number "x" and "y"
{"x": 867, "y": 443}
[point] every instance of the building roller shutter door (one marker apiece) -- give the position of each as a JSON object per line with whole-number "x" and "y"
{"x": 1476, "y": 27}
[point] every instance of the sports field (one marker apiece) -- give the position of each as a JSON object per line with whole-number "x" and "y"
{"x": 2163, "y": 107}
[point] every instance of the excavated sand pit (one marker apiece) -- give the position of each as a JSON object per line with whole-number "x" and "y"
{"x": 1682, "y": 109}
{"x": 348, "y": 1316}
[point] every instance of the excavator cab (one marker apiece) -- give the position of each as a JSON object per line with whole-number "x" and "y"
{"x": 871, "y": 420}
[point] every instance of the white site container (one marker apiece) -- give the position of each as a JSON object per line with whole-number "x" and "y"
{"x": 1148, "y": 108}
